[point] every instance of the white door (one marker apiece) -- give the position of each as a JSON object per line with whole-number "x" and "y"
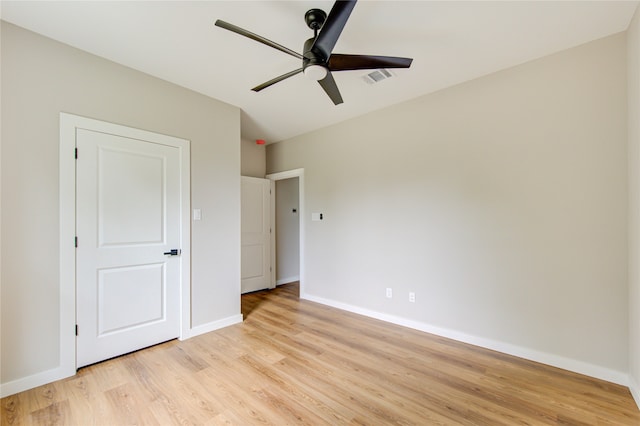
{"x": 256, "y": 237}
{"x": 128, "y": 221}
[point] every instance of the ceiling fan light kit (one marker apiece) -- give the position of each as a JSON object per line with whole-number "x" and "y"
{"x": 315, "y": 72}
{"x": 318, "y": 59}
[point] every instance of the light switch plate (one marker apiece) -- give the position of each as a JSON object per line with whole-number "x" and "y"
{"x": 197, "y": 214}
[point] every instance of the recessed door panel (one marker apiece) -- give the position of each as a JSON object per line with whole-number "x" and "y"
{"x": 131, "y": 203}
{"x": 252, "y": 261}
{"x": 130, "y": 297}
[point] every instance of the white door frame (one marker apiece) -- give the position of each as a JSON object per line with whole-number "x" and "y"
{"x": 299, "y": 173}
{"x": 68, "y": 125}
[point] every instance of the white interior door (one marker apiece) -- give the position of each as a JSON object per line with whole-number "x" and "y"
{"x": 256, "y": 239}
{"x": 128, "y": 219}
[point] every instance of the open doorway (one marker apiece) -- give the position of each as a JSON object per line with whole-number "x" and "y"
{"x": 287, "y": 230}
{"x": 288, "y": 223}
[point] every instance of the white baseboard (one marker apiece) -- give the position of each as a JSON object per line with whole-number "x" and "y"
{"x": 35, "y": 380}
{"x": 507, "y": 348}
{"x": 212, "y": 326}
{"x": 288, "y": 280}
{"x": 634, "y": 387}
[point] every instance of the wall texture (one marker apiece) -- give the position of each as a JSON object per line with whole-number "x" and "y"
{"x": 633, "y": 84}
{"x": 501, "y": 202}
{"x": 41, "y": 78}
{"x": 253, "y": 159}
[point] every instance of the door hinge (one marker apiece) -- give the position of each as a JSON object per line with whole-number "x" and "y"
{"x": 76, "y": 242}
{"x": 76, "y": 329}
{"x": 76, "y": 153}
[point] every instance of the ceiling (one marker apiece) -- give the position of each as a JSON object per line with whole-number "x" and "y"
{"x": 450, "y": 41}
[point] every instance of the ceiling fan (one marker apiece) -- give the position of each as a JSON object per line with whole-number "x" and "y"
{"x": 318, "y": 59}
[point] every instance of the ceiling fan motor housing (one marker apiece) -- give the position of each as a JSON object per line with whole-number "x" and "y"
{"x": 312, "y": 56}
{"x": 314, "y": 64}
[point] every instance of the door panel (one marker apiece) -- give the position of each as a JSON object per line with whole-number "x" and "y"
{"x": 256, "y": 227}
{"x": 130, "y": 208}
{"x": 130, "y": 297}
{"x": 128, "y": 216}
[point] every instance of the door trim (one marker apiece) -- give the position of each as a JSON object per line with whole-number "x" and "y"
{"x": 68, "y": 125}
{"x": 299, "y": 173}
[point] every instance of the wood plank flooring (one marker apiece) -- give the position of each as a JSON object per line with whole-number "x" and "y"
{"x": 297, "y": 362}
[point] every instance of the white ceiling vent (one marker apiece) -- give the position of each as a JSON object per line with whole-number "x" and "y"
{"x": 377, "y": 76}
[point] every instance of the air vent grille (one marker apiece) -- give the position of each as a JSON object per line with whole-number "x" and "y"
{"x": 377, "y": 76}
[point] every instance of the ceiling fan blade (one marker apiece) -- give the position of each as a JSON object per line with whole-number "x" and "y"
{"x": 276, "y": 80}
{"x": 256, "y": 37}
{"x": 338, "y": 62}
{"x": 331, "y": 88}
{"x": 332, "y": 27}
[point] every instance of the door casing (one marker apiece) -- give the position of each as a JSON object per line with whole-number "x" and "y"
{"x": 68, "y": 125}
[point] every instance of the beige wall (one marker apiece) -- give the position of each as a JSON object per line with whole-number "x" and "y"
{"x": 633, "y": 75}
{"x": 253, "y": 159}
{"x": 41, "y": 78}
{"x": 501, "y": 202}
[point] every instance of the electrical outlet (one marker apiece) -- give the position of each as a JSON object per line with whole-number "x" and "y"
{"x": 412, "y": 297}
{"x": 389, "y": 293}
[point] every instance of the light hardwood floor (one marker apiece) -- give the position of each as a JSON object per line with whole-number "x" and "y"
{"x": 297, "y": 362}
